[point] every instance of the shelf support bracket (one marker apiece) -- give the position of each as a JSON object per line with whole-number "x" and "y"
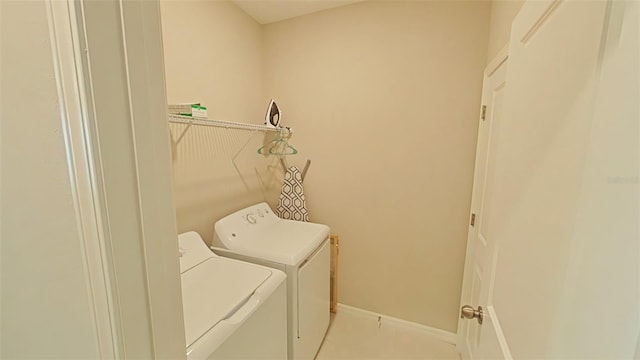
{"x": 183, "y": 133}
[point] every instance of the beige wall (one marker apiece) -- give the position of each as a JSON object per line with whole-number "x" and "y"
{"x": 502, "y": 14}
{"x": 213, "y": 54}
{"x": 46, "y": 310}
{"x": 384, "y": 99}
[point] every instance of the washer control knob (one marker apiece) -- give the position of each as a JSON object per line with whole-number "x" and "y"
{"x": 251, "y": 219}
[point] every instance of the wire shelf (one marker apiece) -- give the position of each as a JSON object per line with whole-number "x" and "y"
{"x": 219, "y": 123}
{"x": 190, "y": 121}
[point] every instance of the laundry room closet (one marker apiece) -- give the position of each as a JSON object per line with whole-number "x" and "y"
{"x": 477, "y": 160}
{"x": 383, "y": 97}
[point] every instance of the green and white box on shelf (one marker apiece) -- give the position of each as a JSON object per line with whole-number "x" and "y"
{"x": 195, "y": 110}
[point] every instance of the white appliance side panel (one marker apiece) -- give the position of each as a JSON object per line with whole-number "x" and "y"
{"x": 292, "y": 308}
{"x": 263, "y": 335}
{"x": 313, "y": 303}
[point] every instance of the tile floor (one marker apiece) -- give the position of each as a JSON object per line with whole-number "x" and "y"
{"x": 354, "y": 336}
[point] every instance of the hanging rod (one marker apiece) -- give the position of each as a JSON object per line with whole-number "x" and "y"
{"x": 189, "y": 121}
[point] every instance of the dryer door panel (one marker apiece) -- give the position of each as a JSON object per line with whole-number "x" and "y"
{"x": 313, "y": 303}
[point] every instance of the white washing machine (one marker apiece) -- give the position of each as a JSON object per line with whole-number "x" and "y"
{"x": 301, "y": 250}
{"x": 232, "y": 309}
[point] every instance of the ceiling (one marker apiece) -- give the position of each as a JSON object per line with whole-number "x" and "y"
{"x": 268, "y": 11}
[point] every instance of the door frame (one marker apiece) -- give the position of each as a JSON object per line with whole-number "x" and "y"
{"x": 130, "y": 262}
{"x": 465, "y": 294}
{"x": 87, "y": 202}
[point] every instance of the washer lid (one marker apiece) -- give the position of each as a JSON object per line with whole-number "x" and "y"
{"x": 193, "y": 250}
{"x": 213, "y": 290}
{"x": 286, "y": 241}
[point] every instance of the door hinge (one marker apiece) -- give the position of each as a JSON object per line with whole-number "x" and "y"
{"x": 484, "y": 112}
{"x": 473, "y": 219}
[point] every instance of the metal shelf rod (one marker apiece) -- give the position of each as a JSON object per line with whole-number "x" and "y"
{"x": 217, "y": 123}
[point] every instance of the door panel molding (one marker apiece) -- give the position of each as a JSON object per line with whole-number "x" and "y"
{"x": 546, "y": 9}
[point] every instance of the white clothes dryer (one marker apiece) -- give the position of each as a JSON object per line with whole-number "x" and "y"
{"x": 301, "y": 250}
{"x": 232, "y": 309}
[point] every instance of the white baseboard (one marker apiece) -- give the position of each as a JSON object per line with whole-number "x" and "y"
{"x": 439, "y": 334}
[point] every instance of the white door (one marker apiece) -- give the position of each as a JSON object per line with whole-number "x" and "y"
{"x": 480, "y": 249}
{"x": 554, "y": 254}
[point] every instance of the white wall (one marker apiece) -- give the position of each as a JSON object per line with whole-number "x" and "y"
{"x": 45, "y": 305}
{"x": 384, "y": 98}
{"x": 213, "y": 54}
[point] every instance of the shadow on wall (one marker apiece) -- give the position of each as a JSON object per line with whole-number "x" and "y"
{"x": 217, "y": 171}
